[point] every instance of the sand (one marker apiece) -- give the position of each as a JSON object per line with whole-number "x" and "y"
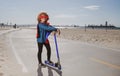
{"x": 10, "y": 67}
{"x": 109, "y": 39}
{"x": 8, "y": 63}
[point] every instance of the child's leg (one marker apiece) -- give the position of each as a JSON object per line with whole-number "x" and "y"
{"x": 40, "y": 46}
{"x": 47, "y": 45}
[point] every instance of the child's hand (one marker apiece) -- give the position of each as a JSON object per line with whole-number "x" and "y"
{"x": 58, "y": 31}
{"x": 55, "y": 32}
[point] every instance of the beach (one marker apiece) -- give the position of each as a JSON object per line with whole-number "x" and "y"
{"x": 99, "y": 37}
{"x": 91, "y": 49}
{"x": 8, "y": 64}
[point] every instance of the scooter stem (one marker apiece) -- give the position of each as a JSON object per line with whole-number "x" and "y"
{"x": 55, "y": 39}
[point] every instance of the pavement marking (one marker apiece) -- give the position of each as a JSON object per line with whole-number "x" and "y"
{"x": 105, "y": 63}
{"x": 24, "y": 69}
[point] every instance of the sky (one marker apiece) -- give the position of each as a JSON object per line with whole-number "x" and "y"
{"x": 61, "y": 12}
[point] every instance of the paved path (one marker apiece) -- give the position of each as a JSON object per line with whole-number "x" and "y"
{"x": 77, "y": 59}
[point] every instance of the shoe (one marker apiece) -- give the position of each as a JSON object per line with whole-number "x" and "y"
{"x": 42, "y": 65}
{"x": 50, "y": 62}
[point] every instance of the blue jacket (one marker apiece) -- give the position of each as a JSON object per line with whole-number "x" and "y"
{"x": 43, "y": 31}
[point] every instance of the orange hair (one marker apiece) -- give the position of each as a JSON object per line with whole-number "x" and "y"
{"x": 39, "y": 16}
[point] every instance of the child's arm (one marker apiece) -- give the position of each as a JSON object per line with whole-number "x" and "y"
{"x": 48, "y": 28}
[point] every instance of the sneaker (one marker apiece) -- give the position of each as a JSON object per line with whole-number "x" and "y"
{"x": 50, "y": 62}
{"x": 42, "y": 65}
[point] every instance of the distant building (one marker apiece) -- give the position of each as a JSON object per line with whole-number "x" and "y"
{"x": 106, "y": 23}
{"x": 101, "y": 26}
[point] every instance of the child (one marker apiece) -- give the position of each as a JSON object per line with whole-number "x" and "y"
{"x": 43, "y": 30}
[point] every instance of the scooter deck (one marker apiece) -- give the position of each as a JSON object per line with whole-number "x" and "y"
{"x": 53, "y": 67}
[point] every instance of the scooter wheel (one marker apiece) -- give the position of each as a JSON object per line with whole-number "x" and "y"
{"x": 58, "y": 65}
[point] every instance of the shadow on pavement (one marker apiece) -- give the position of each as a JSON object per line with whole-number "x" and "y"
{"x": 50, "y": 71}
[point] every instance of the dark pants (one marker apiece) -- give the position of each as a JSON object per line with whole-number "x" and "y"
{"x": 40, "y": 47}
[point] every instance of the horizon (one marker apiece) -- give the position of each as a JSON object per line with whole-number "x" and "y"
{"x": 64, "y": 25}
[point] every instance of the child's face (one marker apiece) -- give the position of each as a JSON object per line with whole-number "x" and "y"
{"x": 43, "y": 18}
